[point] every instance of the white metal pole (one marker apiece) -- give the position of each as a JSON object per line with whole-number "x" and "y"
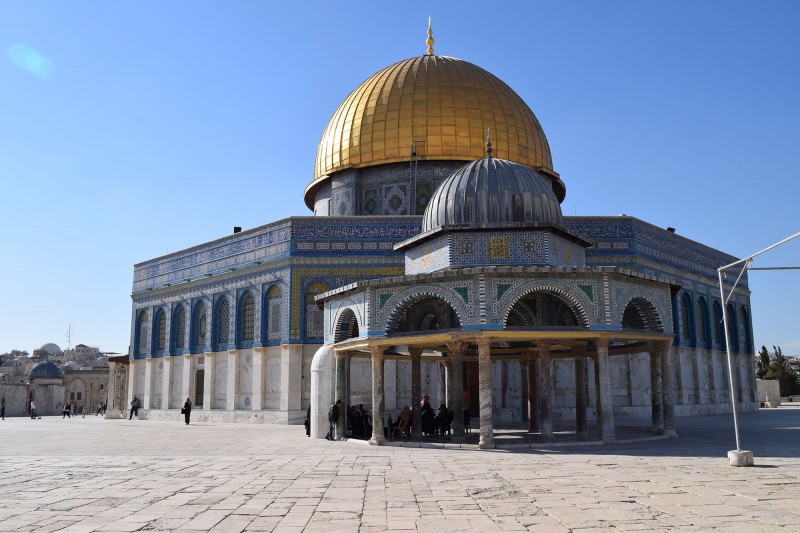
{"x": 730, "y": 365}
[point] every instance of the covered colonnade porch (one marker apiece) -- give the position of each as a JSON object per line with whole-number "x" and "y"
{"x": 534, "y": 349}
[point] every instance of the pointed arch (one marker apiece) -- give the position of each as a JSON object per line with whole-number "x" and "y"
{"x": 423, "y": 311}
{"x": 733, "y": 327}
{"x": 314, "y": 316}
{"x": 745, "y": 335}
{"x": 245, "y": 319}
{"x": 199, "y": 334}
{"x": 346, "y": 326}
{"x": 641, "y": 313}
{"x": 703, "y": 329}
{"x": 160, "y": 332}
{"x": 141, "y": 343}
{"x": 221, "y": 322}
{"x": 550, "y": 306}
{"x": 178, "y": 335}
{"x": 272, "y": 315}
{"x": 718, "y": 327}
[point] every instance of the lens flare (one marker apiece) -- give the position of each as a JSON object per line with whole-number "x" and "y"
{"x": 29, "y": 60}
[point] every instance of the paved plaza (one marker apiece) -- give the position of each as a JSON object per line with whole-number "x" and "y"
{"x": 90, "y": 474}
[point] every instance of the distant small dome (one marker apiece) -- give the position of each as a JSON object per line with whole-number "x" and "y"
{"x": 490, "y": 192}
{"x": 45, "y": 370}
{"x": 51, "y": 348}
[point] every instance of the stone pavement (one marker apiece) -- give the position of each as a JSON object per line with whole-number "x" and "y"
{"x": 118, "y": 475}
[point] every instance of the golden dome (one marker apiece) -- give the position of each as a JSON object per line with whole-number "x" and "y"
{"x": 441, "y": 106}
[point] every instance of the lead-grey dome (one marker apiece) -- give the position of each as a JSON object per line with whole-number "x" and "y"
{"x": 490, "y": 192}
{"x": 45, "y": 370}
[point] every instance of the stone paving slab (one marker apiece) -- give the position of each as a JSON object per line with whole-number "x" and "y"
{"x": 92, "y": 474}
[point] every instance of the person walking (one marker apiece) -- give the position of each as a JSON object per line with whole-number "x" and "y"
{"x": 134, "y": 408}
{"x": 33, "y": 409}
{"x": 3, "y": 408}
{"x": 65, "y": 411}
{"x": 187, "y": 410}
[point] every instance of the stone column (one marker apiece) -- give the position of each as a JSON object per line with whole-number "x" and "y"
{"x": 448, "y": 385}
{"x": 166, "y": 381}
{"x": 545, "y": 390}
{"x": 597, "y": 410}
{"x": 131, "y": 384}
{"x": 232, "y": 381}
{"x": 259, "y": 373}
{"x": 186, "y": 381}
{"x": 534, "y": 409}
{"x": 656, "y": 391}
{"x": 291, "y": 378}
{"x": 668, "y": 389}
{"x": 456, "y": 352}
{"x": 416, "y": 393}
{"x": 485, "y": 392}
{"x": 523, "y": 393}
{"x": 208, "y": 381}
{"x": 341, "y": 391}
{"x": 112, "y": 389}
{"x": 606, "y": 402}
{"x": 580, "y": 392}
{"x": 148, "y": 383}
{"x": 377, "y": 395}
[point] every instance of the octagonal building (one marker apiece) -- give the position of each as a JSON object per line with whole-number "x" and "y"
{"x": 439, "y": 265}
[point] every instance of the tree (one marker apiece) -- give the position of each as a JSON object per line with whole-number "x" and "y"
{"x": 762, "y": 363}
{"x": 15, "y": 353}
{"x": 778, "y": 369}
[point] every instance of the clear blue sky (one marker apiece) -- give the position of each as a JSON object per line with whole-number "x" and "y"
{"x": 132, "y": 129}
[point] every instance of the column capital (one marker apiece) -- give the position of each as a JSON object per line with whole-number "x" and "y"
{"x": 602, "y": 342}
{"x": 376, "y": 351}
{"x": 456, "y": 348}
{"x": 414, "y": 352}
{"x": 483, "y": 342}
{"x": 543, "y": 346}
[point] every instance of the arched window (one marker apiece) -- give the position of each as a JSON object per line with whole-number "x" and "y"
{"x": 179, "y": 328}
{"x": 733, "y": 329}
{"x": 272, "y": 319}
{"x": 314, "y": 315}
{"x": 199, "y": 326}
{"x": 141, "y": 327}
{"x": 160, "y": 340}
{"x": 745, "y": 342}
{"x": 686, "y": 318}
{"x": 222, "y": 322}
{"x": 247, "y": 317}
{"x": 702, "y": 324}
{"x": 718, "y": 328}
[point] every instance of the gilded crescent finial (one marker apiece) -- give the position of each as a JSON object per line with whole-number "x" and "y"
{"x": 488, "y": 144}
{"x": 429, "y": 41}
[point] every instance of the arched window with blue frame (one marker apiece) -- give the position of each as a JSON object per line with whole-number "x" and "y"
{"x": 745, "y": 338}
{"x": 718, "y": 328}
{"x": 245, "y": 327}
{"x": 314, "y": 317}
{"x": 178, "y": 335}
{"x": 686, "y": 322}
{"x": 160, "y": 332}
{"x": 199, "y": 326}
{"x": 142, "y": 338}
{"x": 703, "y": 332}
{"x": 733, "y": 328}
{"x": 221, "y": 324}
{"x": 272, "y": 316}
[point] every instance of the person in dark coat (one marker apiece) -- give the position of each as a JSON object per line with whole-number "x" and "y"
{"x": 134, "y": 408}
{"x": 426, "y": 416}
{"x": 333, "y": 419}
{"x": 187, "y": 410}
